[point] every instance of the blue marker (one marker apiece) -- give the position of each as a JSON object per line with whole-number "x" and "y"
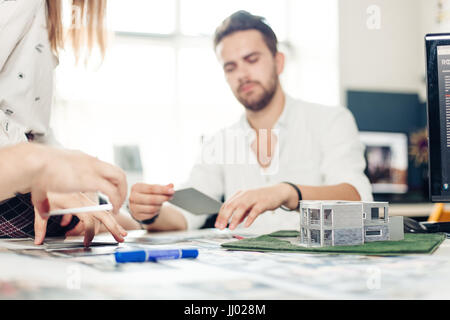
{"x": 154, "y": 255}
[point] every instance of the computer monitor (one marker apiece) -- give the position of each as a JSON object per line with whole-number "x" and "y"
{"x": 437, "y": 47}
{"x": 386, "y": 156}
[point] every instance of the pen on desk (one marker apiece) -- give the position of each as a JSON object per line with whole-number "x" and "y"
{"x": 154, "y": 255}
{"x": 238, "y": 237}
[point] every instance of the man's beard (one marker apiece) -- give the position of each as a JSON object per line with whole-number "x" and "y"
{"x": 264, "y": 99}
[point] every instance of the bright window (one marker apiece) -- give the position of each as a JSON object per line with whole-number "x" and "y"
{"x": 201, "y": 17}
{"x": 142, "y": 16}
{"x": 161, "y": 88}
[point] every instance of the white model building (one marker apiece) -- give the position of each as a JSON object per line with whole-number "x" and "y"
{"x": 338, "y": 223}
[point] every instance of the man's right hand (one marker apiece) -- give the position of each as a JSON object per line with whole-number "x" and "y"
{"x": 146, "y": 199}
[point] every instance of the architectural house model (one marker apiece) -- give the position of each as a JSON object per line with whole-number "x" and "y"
{"x": 339, "y": 223}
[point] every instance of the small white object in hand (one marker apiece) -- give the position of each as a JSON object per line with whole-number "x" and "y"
{"x": 102, "y": 207}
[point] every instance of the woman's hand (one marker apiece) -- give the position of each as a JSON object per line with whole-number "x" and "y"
{"x": 66, "y": 171}
{"x": 250, "y": 204}
{"x": 89, "y": 224}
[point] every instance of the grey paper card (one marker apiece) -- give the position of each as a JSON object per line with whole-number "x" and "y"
{"x": 195, "y": 202}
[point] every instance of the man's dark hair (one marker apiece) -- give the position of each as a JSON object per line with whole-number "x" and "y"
{"x": 243, "y": 20}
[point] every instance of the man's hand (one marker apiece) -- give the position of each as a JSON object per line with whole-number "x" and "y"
{"x": 250, "y": 204}
{"x": 89, "y": 224}
{"x": 146, "y": 199}
{"x": 65, "y": 171}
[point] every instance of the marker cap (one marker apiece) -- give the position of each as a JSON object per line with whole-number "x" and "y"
{"x": 189, "y": 253}
{"x": 130, "y": 256}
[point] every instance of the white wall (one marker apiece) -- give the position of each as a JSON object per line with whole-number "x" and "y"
{"x": 429, "y": 23}
{"x": 392, "y": 57}
{"x": 385, "y": 57}
{"x": 313, "y": 64}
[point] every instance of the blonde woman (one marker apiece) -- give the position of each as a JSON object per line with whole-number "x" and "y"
{"x": 31, "y": 35}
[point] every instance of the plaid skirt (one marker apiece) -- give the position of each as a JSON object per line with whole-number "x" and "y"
{"x": 17, "y": 219}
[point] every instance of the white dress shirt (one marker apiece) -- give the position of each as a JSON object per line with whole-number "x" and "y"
{"x": 317, "y": 145}
{"x": 27, "y": 66}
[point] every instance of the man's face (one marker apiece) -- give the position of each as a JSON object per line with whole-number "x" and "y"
{"x": 250, "y": 68}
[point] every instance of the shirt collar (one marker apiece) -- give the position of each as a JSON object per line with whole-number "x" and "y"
{"x": 282, "y": 120}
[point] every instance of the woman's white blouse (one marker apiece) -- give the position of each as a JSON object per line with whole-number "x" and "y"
{"x": 27, "y": 66}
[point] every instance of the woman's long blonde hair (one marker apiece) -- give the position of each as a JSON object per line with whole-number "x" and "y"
{"x": 87, "y": 29}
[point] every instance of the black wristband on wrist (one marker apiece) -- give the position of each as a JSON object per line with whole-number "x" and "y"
{"x": 148, "y": 221}
{"x": 299, "y": 196}
{"x": 142, "y": 222}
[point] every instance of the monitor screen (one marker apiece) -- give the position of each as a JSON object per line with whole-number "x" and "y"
{"x": 438, "y": 111}
{"x": 386, "y": 156}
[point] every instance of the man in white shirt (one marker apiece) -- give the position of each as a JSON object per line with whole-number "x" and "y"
{"x": 280, "y": 151}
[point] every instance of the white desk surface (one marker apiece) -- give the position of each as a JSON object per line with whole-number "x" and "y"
{"x": 222, "y": 274}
